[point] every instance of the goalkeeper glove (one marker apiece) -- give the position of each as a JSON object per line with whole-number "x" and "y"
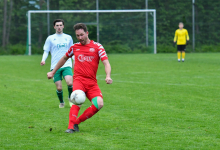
{"x": 187, "y": 42}
{"x": 174, "y": 44}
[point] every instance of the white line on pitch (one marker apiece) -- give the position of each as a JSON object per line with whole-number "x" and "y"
{"x": 170, "y": 84}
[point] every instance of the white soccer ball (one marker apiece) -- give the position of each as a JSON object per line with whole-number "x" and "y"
{"x": 78, "y": 97}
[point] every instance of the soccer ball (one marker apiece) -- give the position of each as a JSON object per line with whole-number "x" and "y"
{"x": 78, "y": 97}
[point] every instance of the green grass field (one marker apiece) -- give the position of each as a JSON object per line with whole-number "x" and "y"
{"x": 154, "y": 103}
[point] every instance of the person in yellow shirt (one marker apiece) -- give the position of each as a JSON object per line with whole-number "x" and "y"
{"x": 181, "y": 38}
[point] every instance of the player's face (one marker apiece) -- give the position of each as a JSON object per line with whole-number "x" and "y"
{"x": 180, "y": 25}
{"x": 59, "y": 27}
{"x": 82, "y": 36}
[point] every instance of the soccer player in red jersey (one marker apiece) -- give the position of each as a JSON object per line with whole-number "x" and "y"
{"x": 87, "y": 55}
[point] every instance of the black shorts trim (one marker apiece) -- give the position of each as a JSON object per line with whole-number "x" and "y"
{"x": 181, "y": 47}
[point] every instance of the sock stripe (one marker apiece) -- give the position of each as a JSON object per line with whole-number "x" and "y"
{"x": 60, "y": 96}
{"x": 59, "y": 91}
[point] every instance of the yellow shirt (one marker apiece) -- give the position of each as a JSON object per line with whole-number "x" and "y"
{"x": 181, "y": 36}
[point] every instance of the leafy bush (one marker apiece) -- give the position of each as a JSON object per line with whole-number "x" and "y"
{"x": 36, "y": 50}
{"x": 116, "y": 47}
{"x": 164, "y": 48}
{"x": 17, "y": 49}
{"x": 3, "y": 51}
{"x": 208, "y": 48}
{"x": 143, "y": 49}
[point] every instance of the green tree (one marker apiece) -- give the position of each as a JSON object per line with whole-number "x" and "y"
{"x": 127, "y": 29}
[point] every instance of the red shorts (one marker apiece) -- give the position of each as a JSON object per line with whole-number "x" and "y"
{"x": 90, "y": 88}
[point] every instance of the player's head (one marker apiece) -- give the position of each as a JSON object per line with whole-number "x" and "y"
{"x": 181, "y": 25}
{"x": 58, "y": 25}
{"x": 81, "y": 33}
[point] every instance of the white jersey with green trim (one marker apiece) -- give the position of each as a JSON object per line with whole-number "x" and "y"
{"x": 58, "y": 45}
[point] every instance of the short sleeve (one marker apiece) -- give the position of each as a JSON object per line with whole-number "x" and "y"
{"x": 47, "y": 45}
{"x": 70, "y": 53}
{"x": 102, "y": 53}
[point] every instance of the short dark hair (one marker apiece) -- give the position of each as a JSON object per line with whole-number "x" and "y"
{"x": 58, "y": 20}
{"x": 80, "y": 26}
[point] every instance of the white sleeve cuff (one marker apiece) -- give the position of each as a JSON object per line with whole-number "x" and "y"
{"x": 45, "y": 55}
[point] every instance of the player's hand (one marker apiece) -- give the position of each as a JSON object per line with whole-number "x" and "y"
{"x": 50, "y": 75}
{"x": 187, "y": 42}
{"x": 42, "y": 63}
{"x": 174, "y": 44}
{"x": 108, "y": 80}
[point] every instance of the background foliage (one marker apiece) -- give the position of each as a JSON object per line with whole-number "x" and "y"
{"x": 169, "y": 13}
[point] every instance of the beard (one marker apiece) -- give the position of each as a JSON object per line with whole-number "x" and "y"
{"x": 83, "y": 42}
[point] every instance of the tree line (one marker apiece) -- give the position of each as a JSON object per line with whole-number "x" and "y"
{"x": 13, "y": 16}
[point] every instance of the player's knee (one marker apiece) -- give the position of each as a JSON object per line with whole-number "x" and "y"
{"x": 98, "y": 102}
{"x": 59, "y": 88}
{"x": 58, "y": 85}
{"x": 69, "y": 83}
{"x": 69, "y": 80}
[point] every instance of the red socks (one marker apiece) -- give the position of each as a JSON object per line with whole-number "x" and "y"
{"x": 74, "y": 110}
{"x": 88, "y": 113}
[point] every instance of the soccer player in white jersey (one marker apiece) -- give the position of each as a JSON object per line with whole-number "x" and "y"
{"x": 58, "y": 44}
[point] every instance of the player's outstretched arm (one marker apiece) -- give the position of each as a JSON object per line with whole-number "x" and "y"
{"x": 107, "y": 65}
{"x": 60, "y": 63}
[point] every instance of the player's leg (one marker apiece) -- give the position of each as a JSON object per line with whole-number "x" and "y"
{"x": 97, "y": 104}
{"x": 178, "y": 52}
{"x": 68, "y": 76}
{"x": 183, "y": 53}
{"x": 69, "y": 82}
{"x": 95, "y": 96}
{"x": 88, "y": 113}
{"x": 73, "y": 127}
{"x": 58, "y": 82}
{"x": 74, "y": 110}
{"x": 59, "y": 92}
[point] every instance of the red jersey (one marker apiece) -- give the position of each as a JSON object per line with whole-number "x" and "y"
{"x": 86, "y": 59}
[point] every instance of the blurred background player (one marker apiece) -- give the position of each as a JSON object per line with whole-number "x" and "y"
{"x": 87, "y": 55}
{"x": 58, "y": 44}
{"x": 182, "y": 38}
